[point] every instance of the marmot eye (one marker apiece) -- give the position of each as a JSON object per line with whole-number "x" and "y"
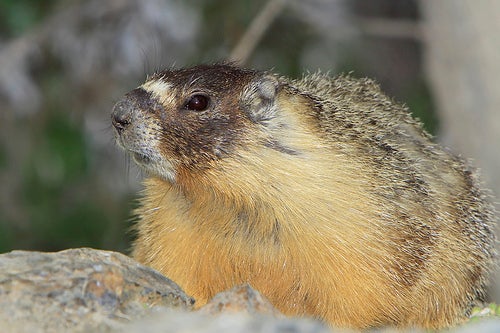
{"x": 197, "y": 102}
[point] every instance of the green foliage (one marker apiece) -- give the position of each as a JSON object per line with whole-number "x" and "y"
{"x": 54, "y": 190}
{"x": 63, "y": 205}
{"x": 419, "y": 101}
{"x": 6, "y": 236}
{"x": 489, "y": 311}
{"x": 16, "y": 16}
{"x": 3, "y": 157}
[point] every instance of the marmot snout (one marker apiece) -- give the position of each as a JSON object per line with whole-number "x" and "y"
{"x": 322, "y": 193}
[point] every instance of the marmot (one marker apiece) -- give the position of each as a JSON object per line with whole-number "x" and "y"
{"x": 322, "y": 193}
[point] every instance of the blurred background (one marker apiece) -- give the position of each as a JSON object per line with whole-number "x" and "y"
{"x": 63, "y": 64}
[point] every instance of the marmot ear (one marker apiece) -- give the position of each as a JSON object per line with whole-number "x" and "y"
{"x": 258, "y": 99}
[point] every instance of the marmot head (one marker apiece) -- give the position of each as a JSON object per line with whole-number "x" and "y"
{"x": 191, "y": 118}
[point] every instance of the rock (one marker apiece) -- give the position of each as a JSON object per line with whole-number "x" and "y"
{"x": 79, "y": 290}
{"x": 197, "y": 322}
{"x": 243, "y": 299}
{"x": 489, "y": 325}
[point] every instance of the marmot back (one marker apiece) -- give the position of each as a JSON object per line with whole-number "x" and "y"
{"x": 322, "y": 193}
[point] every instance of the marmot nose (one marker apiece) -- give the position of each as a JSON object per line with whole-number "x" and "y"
{"x": 121, "y": 114}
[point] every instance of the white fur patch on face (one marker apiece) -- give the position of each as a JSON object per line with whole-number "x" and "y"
{"x": 160, "y": 91}
{"x": 154, "y": 163}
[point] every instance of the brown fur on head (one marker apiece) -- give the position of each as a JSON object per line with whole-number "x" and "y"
{"x": 322, "y": 193}
{"x": 167, "y": 135}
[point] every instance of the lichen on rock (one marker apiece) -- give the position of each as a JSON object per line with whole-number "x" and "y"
{"x": 80, "y": 290}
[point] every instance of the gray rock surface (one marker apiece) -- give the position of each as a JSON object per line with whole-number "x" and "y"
{"x": 79, "y": 290}
{"x": 241, "y": 299}
{"x": 196, "y": 322}
{"x": 491, "y": 325}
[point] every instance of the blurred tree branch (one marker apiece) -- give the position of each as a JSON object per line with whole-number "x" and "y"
{"x": 256, "y": 30}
